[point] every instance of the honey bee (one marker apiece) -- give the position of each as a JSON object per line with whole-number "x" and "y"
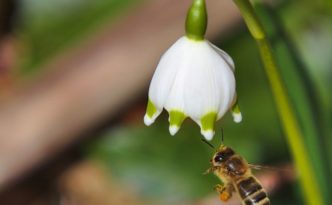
{"x": 235, "y": 173}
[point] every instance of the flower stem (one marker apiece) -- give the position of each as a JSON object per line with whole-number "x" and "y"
{"x": 196, "y": 21}
{"x": 286, "y": 112}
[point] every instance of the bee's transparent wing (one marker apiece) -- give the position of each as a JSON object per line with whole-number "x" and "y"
{"x": 287, "y": 169}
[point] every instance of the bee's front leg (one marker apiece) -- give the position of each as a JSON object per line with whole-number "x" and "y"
{"x": 225, "y": 191}
{"x": 210, "y": 170}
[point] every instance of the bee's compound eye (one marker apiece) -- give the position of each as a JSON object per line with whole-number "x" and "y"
{"x": 223, "y": 155}
{"x": 219, "y": 157}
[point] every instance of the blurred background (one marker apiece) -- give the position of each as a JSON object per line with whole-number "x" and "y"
{"x": 74, "y": 78}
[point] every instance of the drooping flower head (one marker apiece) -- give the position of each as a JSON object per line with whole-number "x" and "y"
{"x": 193, "y": 79}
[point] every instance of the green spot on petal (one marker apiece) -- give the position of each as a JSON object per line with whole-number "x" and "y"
{"x": 151, "y": 109}
{"x": 236, "y": 112}
{"x": 176, "y": 117}
{"x": 236, "y": 108}
{"x": 208, "y": 121}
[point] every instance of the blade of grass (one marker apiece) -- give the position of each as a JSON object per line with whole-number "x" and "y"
{"x": 302, "y": 93}
{"x": 285, "y": 109}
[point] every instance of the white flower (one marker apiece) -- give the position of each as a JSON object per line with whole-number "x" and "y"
{"x": 194, "y": 78}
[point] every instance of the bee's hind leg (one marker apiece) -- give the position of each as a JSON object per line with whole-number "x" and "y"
{"x": 225, "y": 191}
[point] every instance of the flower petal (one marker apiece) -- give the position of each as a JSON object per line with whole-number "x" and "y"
{"x": 152, "y": 112}
{"x": 167, "y": 69}
{"x": 224, "y": 55}
{"x": 175, "y": 120}
{"x": 229, "y": 94}
{"x": 236, "y": 113}
{"x": 175, "y": 101}
{"x": 237, "y": 117}
{"x": 227, "y": 90}
{"x": 210, "y": 83}
{"x": 175, "y": 98}
{"x": 207, "y": 125}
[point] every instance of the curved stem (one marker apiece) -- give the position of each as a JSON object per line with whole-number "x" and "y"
{"x": 286, "y": 112}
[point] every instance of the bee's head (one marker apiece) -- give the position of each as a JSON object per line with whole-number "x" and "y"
{"x": 222, "y": 155}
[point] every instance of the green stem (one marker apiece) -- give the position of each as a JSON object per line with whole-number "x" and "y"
{"x": 196, "y": 21}
{"x": 287, "y": 115}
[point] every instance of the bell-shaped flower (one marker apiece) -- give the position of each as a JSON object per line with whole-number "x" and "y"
{"x": 193, "y": 79}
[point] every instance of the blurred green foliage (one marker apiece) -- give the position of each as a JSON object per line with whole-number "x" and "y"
{"x": 49, "y": 27}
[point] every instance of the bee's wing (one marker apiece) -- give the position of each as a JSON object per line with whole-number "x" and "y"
{"x": 260, "y": 167}
{"x": 277, "y": 169}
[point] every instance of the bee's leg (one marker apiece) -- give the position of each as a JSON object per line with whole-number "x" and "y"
{"x": 209, "y": 170}
{"x": 225, "y": 191}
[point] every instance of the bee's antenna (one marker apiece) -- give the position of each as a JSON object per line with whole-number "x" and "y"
{"x": 208, "y": 143}
{"x": 222, "y": 135}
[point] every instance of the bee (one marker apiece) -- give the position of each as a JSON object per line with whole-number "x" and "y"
{"x": 235, "y": 173}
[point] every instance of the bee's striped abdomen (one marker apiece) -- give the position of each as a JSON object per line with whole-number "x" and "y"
{"x": 252, "y": 192}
